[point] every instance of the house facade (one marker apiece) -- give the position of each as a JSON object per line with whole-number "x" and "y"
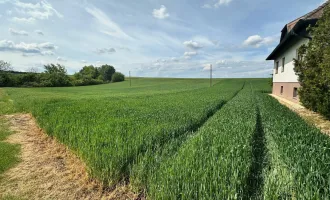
{"x": 294, "y": 34}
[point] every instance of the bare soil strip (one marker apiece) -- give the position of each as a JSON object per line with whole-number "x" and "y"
{"x": 309, "y": 116}
{"x": 48, "y": 170}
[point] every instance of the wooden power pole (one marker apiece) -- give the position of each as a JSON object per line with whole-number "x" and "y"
{"x": 210, "y": 75}
{"x": 130, "y": 80}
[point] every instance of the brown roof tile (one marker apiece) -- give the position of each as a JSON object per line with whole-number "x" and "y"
{"x": 315, "y": 14}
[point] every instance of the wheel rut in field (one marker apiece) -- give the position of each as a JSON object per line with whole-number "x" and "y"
{"x": 255, "y": 180}
{"x": 48, "y": 169}
{"x": 185, "y": 132}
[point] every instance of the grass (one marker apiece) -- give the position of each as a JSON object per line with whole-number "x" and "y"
{"x": 6, "y": 104}
{"x": 181, "y": 139}
{"x": 9, "y": 152}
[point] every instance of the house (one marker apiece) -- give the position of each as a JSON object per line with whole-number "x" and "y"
{"x": 294, "y": 34}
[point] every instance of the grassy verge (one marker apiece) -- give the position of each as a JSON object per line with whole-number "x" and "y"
{"x": 8, "y": 152}
{"x": 6, "y": 104}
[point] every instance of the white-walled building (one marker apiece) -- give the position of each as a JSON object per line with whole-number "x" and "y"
{"x": 294, "y": 34}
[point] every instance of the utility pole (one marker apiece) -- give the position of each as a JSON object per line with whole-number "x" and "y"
{"x": 210, "y": 75}
{"x": 130, "y": 80}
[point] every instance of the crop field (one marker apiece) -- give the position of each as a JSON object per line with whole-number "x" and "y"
{"x": 181, "y": 139}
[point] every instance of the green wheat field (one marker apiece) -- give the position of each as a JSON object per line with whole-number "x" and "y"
{"x": 182, "y": 139}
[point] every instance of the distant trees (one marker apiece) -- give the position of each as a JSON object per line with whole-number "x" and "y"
{"x": 55, "y": 75}
{"x": 5, "y": 76}
{"x": 90, "y": 75}
{"x": 89, "y": 72}
{"x": 106, "y": 72}
{"x": 118, "y": 77}
{"x": 4, "y": 66}
{"x": 313, "y": 68}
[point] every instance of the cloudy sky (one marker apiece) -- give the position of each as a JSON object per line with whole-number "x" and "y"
{"x": 155, "y": 38}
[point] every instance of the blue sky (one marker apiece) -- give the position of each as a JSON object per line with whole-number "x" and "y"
{"x": 155, "y": 38}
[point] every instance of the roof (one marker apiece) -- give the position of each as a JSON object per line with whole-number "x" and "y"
{"x": 298, "y": 27}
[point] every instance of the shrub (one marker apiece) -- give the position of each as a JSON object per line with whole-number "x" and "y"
{"x": 117, "y": 77}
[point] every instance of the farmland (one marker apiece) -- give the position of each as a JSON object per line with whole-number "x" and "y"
{"x": 181, "y": 139}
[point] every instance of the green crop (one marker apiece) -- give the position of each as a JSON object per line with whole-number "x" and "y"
{"x": 181, "y": 139}
{"x": 112, "y": 133}
{"x": 299, "y": 155}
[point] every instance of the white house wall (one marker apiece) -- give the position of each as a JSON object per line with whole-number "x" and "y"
{"x": 288, "y": 76}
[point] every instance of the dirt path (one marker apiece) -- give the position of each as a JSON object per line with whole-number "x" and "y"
{"x": 310, "y": 116}
{"x": 48, "y": 170}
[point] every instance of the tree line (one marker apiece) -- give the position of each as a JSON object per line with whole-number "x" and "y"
{"x": 313, "y": 68}
{"x": 55, "y": 75}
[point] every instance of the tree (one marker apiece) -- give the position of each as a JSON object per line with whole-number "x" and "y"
{"x": 118, "y": 77}
{"x": 106, "y": 72}
{"x": 313, "y": 68}
{"x": 6, "y": 79}
{"x": 89, "y": 72}
{"x": 5, "y": 66}
{"x": 56, "y": 75}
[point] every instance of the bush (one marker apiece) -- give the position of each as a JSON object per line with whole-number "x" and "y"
{"x": 83, "y": 82}
{"x": 117, "y": 77}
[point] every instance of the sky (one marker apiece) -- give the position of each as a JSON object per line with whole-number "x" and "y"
{"x": 150, "y": 38}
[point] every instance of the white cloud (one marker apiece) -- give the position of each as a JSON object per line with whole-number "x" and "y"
{"x": 204, "y": 41}
{"x": 207, "y": 67}
{"x": 220, "y": 62}
{"x": 17, "y": 33}
{"x": 108, "y": 26}
{"x": 174, "y": 59}
{"x": 189, "y": 54}
{"x": 192, "y": 45}
{"x": 39, "y": 32}
{"x": 41, "y": 10}
{"x": 23, "y": 20}
{"x": 9, "y": 12}
{"x": 27, "y": 48}
{"x": 222, "y": 2}
{"x": 160, "y": 13}
{"x": 258, "y": 41}
{"x": 60, "y": 59}
{"x": 105, "y": 50}
{"x": 83, "y": 61}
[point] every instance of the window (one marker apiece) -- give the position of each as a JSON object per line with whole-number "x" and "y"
{"x": 283, "y": 64}
{"x": 281, "y": 90}
{"x": 295, "y": 92}
{"x": 276, "y": 67}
